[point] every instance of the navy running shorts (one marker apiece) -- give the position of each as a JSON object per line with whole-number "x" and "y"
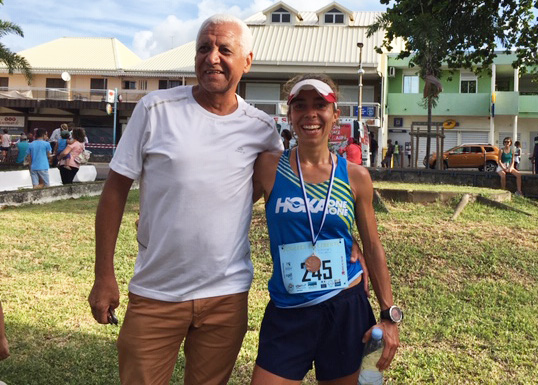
{"x": 328, "y": 334}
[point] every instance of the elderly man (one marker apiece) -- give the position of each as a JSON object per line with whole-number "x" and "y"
{"x": 193, "y": 149}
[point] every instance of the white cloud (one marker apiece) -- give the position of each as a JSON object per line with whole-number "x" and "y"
{"x": 148, "y": 27}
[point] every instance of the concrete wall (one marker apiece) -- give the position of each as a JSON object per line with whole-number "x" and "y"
{"x": 20, "y": 179}
{"x": 50, "y": 194}
{"x": 460, "y": 178}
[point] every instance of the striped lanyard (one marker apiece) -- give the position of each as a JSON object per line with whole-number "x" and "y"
{"x": 327, "y": 197}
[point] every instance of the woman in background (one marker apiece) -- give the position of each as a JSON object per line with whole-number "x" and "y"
{"x": 506, "y": 165}
{"x": 69, "y": 155}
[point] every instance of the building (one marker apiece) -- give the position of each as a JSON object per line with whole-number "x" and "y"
{"x": 72, "y": 76}
{"x": 485, "y": 108}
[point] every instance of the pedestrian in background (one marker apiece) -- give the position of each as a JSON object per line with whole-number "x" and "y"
{"x": 22, "y": 148}
{"x": 387, "y": 161}
{"x": 5, "y": 145}
{"x": 353, "y": 151}
{"x": 506, "y": 165}
{"x": 373, "y": 149}
{"x": 40, "y": 153}
{"x": 517, "y": 154}
{"x": 396, "y": 154}
{"x": 534, "y": 156}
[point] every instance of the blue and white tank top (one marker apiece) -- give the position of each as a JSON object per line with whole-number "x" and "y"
{"x": 287, "y": 223}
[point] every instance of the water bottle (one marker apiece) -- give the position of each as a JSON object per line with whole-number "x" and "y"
{"x": 369, "y": 373}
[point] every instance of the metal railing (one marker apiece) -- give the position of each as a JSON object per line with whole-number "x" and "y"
{"x": 347, "y": 109}
{"x": 271, "y": 107}
{"x": 86, "y": 95}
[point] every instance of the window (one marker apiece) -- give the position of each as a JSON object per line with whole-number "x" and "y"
{"x": 280, "y": 16}
{"x": 98, "y": 87}
{"x": 56, "y": 88}
{"x": 334, "y": 16}
{"x": 98, "y": 84}
{"x": 468, "y": 83}
{"x": 410, "y": 84}
{"x": 129, "y": 85}
{"x": 143, "y": 85}
{"x": 165, "y": 84}
{"x": 55, "y": 83}
{"x": 4, "y": 83}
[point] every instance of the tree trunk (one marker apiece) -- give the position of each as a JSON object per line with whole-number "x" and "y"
{"x": 428, "y": 137}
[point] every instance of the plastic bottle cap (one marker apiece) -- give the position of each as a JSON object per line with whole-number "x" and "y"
{"x": 377, "y": 334}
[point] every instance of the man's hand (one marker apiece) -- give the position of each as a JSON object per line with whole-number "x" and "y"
{"x": 356, "y": 255}
{"x": 103, "y": 297}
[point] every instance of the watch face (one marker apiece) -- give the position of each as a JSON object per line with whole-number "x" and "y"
{"x": 396, "y": 314}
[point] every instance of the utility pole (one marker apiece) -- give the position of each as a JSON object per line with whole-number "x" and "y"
{"x": 360, "y": 72}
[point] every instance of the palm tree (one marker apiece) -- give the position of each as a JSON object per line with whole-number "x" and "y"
{"x": 10, "y": 59}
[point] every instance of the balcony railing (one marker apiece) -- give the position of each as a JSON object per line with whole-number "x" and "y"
{"x": 347, "y": 109}
{"x": 65, "y": 94}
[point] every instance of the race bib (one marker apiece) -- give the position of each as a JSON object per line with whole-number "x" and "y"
{"x": 307, "y": 269}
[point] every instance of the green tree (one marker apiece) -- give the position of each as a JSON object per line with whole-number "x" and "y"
{"x": 460, "y": 33}
{"x": 10, "y": 59}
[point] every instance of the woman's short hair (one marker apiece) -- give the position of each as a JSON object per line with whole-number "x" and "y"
{"x": 79, "y": 134}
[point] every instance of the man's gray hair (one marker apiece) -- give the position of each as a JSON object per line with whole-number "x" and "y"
{"x": 246, "y": 41}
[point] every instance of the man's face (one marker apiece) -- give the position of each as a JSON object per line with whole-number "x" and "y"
{"x": 220, "y": 62}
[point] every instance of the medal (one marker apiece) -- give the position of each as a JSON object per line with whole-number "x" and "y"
{"x": 313, "y": 263}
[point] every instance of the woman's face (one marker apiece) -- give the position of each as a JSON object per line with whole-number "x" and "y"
{"x": 507, "y": 142}
{"x": 312, "y": 117}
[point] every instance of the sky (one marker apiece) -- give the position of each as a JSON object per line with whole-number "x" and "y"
{"x": 147, "y": 27}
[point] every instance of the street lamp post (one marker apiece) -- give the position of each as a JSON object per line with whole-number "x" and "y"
{"x": 360, "y": 72}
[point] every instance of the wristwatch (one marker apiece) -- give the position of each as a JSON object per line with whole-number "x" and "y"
{"x": 394, "y": 314}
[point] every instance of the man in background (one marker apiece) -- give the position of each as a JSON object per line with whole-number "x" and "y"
{"x": 40, "y": 153}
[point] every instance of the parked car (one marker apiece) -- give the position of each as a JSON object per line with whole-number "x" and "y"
{"x": 475, "y": 155}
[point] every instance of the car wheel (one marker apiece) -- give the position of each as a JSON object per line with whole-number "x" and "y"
{"x": 490, "y": 166}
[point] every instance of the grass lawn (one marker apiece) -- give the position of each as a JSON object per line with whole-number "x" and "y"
{"x": 469, "y": 289}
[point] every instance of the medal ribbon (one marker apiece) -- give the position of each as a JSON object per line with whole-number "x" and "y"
{"x": 327, "y": 197}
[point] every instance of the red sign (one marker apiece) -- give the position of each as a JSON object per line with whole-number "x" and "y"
{"x": 340, "y": 133}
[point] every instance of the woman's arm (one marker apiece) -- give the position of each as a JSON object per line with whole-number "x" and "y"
{"x": 374, "y": 254}
{"x": 500, "y": 162}
{"x": 65, "y": 152}
{"x": 264, "y": 174}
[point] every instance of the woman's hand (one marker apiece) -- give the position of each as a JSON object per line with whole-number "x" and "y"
{"x": 391, "y": 340}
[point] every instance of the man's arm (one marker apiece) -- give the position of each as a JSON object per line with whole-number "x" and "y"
{"x": 4, "y": 347}
{"x": 105, "y": 295}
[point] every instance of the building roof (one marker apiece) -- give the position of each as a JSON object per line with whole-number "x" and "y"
{"x": 312, "y": 45}
{"x": 180, "y": 59}
{"x": 80, "y": 54}
{"x": 304, "y": 43}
